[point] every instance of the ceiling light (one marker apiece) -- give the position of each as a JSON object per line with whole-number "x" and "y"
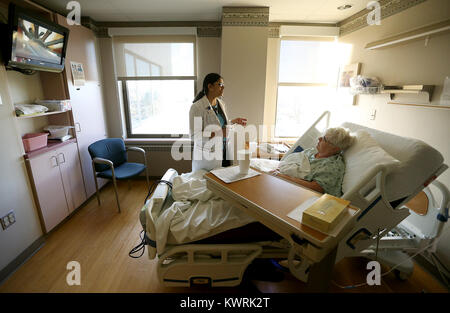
{"x": 344, "y": 7}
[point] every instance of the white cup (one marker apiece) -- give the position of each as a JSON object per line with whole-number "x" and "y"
{"x": 244, "y": 161}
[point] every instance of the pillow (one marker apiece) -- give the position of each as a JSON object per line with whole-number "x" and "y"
{"x": 361, "y": 157}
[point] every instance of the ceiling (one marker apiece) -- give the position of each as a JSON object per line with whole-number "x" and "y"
{"x": 296, "y": 11}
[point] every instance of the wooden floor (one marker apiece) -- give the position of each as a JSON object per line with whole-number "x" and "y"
{"x": 99, "y": 238}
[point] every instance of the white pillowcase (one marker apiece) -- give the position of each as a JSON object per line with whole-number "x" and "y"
{"x": 361, "y": 157}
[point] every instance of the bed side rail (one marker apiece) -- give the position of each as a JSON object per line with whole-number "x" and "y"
{"x": 376, "y": 217}
{"x": 310, "y": 136}
{"x": 428, "y": 181}
{"x": 370, "y": 187}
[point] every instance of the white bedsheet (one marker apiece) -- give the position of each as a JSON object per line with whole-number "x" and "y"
{"x": 264, "y": 165}
{"x": 295, "y": 165}
{"x": 196, "y": 213}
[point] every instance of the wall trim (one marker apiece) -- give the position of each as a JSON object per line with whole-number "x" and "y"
{"x": 15, "y": 264}
{"x": 388, "y": 8}
{"x": 99, "y": 31}
{"x": 274, "y": 32}
{"x": 209, "y": 31}
{"x": 245, "y": 16}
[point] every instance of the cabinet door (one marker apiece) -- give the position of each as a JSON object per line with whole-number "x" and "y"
{"x": 87, "y": 101}
{"x": 49, "y": 189}
{"x": 89, "y": 127}
{"x": 69, "y": 164}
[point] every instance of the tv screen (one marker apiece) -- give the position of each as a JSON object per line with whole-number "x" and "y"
{"x": 36, "y": 44}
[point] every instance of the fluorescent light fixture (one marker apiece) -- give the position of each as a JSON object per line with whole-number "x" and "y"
{"x": 411, "y": 35}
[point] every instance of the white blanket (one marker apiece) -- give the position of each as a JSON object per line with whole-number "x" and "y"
{"x": 295, "y": 165}
{"x": 196, "y": 213}
{"x": 264, "y": 165}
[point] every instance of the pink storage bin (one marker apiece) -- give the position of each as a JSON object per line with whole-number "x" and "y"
{"x": 34, "y": 141}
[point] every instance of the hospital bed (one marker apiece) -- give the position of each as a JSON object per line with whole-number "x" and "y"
{"x": 379, "y": 185}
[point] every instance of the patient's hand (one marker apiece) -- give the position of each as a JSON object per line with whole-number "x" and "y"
{"x": 274, "y": 172}
{"x": 308, "y": 184}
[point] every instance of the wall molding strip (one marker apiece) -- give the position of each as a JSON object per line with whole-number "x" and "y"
{"x": 388, "y": 8}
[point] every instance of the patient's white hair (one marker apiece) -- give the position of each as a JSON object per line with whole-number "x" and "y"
{"x": 340, "y": 137}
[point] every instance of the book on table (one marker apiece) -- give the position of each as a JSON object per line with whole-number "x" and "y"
{"x": 325, "y": 213}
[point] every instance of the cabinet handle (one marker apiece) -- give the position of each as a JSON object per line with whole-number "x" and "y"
{"x": 64, "y": 159}
{"x": 56, "y": 161}
{"x": 79, "y": 127}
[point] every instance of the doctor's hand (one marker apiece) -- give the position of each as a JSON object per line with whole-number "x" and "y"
{"x": 240, "y": 120}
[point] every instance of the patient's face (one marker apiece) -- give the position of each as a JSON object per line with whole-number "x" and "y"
{"x": 326, "y": 148}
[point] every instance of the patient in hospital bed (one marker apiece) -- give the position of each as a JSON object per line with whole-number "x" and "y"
{"x": 197, "y": 215}
{"x": 321, "y": 168}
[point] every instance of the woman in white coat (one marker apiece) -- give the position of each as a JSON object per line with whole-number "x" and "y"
{"x": 208, "y": 112}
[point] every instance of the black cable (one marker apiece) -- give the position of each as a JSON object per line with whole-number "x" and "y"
{"x": 139, "y": 247}
{"x": 153, "y": 187}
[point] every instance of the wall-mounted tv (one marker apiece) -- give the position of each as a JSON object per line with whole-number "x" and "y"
{"x": 34, "y": 43}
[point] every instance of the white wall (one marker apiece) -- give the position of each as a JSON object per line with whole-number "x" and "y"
{"x": 15, "y": 190}
{"x": 244, "y": 61}
{"x": 208, "y": 58}
{"x": 410, "y": 63}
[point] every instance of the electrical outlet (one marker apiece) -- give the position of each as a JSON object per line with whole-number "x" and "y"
{"x": 11, "y": 217}
{"x": 8, "y": 220}
{"x": 5, "y": 222}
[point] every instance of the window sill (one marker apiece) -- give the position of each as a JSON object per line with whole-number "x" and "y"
{"x": 288, "y": 140}
{"x": 156, "y": 141}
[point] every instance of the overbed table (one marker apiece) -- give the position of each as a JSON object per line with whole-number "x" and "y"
{"x": 269, "y": 200}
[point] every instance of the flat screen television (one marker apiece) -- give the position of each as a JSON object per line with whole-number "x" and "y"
{"x": 34, "y": 43}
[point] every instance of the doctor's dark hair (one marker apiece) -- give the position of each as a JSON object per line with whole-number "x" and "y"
{"x": 211, "y": 78}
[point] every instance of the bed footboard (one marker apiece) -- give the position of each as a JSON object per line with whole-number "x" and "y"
{"x": 151, "y": 211}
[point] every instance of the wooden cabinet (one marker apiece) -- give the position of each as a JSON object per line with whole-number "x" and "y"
{"x": 87, "y": 113}
{"x": 57, "y": 183}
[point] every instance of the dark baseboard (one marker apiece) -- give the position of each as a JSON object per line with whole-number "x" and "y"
{"x": 14, "y": 265}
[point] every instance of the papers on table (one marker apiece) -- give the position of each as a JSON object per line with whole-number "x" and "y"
{"x": 231, "y": 174}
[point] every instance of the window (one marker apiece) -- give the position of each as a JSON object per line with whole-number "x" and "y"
{"x": 157, "y": 81}
{"x": 308, "y": 71}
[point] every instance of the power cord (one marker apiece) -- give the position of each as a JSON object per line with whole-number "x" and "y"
{"x": 141, "y": 246}
{"x": 154, "y": 185}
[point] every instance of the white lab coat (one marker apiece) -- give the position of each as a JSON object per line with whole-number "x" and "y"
{"x": 205, "y": 156}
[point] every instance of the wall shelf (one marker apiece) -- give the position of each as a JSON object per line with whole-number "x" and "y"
{"x": 408, "y": 89}
{"x": 41, "y": 114}
{"x": 422, "y": 32}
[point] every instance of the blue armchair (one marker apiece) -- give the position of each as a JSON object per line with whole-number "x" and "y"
{"x": 109, "y": 161}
